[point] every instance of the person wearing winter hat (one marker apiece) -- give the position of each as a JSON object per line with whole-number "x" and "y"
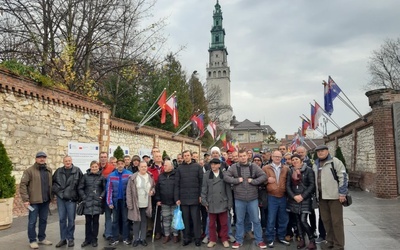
{"x": 257, "y": 160}
{"x": 134, "y": 166}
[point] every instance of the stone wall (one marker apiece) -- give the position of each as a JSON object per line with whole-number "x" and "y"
{"x": 346, "y": 144}
{"x": 356, "y": 141}
{"x": 366, "y": 151}
{"x": 34, "y": 118}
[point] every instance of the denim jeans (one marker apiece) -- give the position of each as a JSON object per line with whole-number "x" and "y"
{"x": 276, "y": 208}
{"x": 108, "y": 221}
{"x": 41, "y": 210}
{"x": 67, "y": 214}
{"x": 247, "y": 223}
{"x": 120, "y": 211}
{"x": 250, "y": 207}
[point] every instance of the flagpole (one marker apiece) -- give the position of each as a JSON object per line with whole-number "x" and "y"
{"x": 353, "y": 108}
{"x": 312, "y": 141}
{"x": 184, "y": 126}
{"x": 198, "y": 136}
{"x": 328, "y": 117}
{"x": 218, "y": 138}
{"x": 158, "y": 109}
{"x": 151, "y": 108}
{"x": 308, "y": 120}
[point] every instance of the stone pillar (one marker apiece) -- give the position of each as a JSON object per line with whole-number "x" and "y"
{"x": 381, "y": 102}
{"x": 104, "y": 137}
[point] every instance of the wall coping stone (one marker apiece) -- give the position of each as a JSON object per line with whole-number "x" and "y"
{"x": 23, "y": 86}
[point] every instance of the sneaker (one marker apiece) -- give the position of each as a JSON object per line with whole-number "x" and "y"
{"x": 113, "y": 242}
{"x": 319, "y": 240}
{"x": 211, "y": 244}
{"x": 34, "y": 245}
{"x": 262, "y": 245}
{"x": 45, "y": 242}
{"x": 284, "y": 242}
{"x": 232, "y": 239}
{"x": 270, "y": 244}
{"x": 225, "y": 244}
{"x": 205, "y": 240}
{"x": 236, "y": 245}
{"x": 127, "y": 242}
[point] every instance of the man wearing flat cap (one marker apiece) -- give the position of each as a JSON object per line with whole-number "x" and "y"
{"x": 35, "y": 191}
{"x": 216, "y": 197}
{"x": 331, "y": 188}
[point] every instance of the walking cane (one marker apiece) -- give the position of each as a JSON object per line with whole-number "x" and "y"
{"x": 154, "y": 225}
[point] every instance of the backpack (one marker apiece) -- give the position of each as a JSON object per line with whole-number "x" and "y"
{"x": 262, "y": 190}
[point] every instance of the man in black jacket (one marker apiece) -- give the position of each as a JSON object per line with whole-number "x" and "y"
{"x": 66, "y": 187}
{"x": 188, "y": 181}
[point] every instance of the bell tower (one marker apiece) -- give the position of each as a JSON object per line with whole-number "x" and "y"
{"x": 218, "y": 72}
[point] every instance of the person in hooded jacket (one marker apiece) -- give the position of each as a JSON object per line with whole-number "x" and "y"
{"x": 300, "y": 186}
{"x": 92, "y": 191}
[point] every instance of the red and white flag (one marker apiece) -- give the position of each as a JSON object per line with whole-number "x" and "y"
{"x": 212, "y": 129}
{"x": 172, "y": 108}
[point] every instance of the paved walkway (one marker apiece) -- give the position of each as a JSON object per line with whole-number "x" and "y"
{"x": 370, "y": 223}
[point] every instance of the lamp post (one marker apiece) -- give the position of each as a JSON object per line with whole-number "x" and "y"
{"x": 191, "y": 85}
{"x": 325, "y": 127}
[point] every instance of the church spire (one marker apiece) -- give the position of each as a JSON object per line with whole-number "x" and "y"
{"x": 217, "y": 31}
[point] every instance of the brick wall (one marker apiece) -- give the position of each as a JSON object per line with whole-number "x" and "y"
{"x": 381, "y": 102}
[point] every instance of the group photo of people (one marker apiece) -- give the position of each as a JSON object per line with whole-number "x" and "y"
{"x": 223, "y": 196}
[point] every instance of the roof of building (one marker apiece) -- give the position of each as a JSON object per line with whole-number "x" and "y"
{"x": 249, "y": 125}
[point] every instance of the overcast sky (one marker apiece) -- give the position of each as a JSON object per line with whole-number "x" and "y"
{"x": 280, "y": 51}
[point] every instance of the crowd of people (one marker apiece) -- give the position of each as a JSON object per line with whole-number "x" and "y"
{"x": 270, "y": 197}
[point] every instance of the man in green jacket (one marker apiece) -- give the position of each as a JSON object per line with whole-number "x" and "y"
{"x": 35, "y": 190}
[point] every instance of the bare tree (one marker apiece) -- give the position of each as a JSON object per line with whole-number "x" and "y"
{"x": 384, "y": 65}
{"x": 79, "y": 42}
{"x": 215, "y": 108}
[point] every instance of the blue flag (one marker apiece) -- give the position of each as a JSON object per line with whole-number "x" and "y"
{"x": 331, "y": 91}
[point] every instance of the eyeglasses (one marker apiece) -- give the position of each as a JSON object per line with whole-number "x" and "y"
{"x": 256, "y": 160}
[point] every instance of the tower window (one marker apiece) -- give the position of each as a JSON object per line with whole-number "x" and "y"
{"x": 216, "y": 55}
{"x": 217, "y": 38}
{"x": 224, "y": 72}
{"x": 209, "y": 73}
{"x": 219, "y": 73}
{"x": 217, "y": 23}
{"x": 214, "y": 74}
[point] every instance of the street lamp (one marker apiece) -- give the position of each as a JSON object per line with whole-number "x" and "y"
{"x": 191, "y": 84}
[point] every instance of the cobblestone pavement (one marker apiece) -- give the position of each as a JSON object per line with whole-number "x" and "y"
{"x": 370, "y": 223}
